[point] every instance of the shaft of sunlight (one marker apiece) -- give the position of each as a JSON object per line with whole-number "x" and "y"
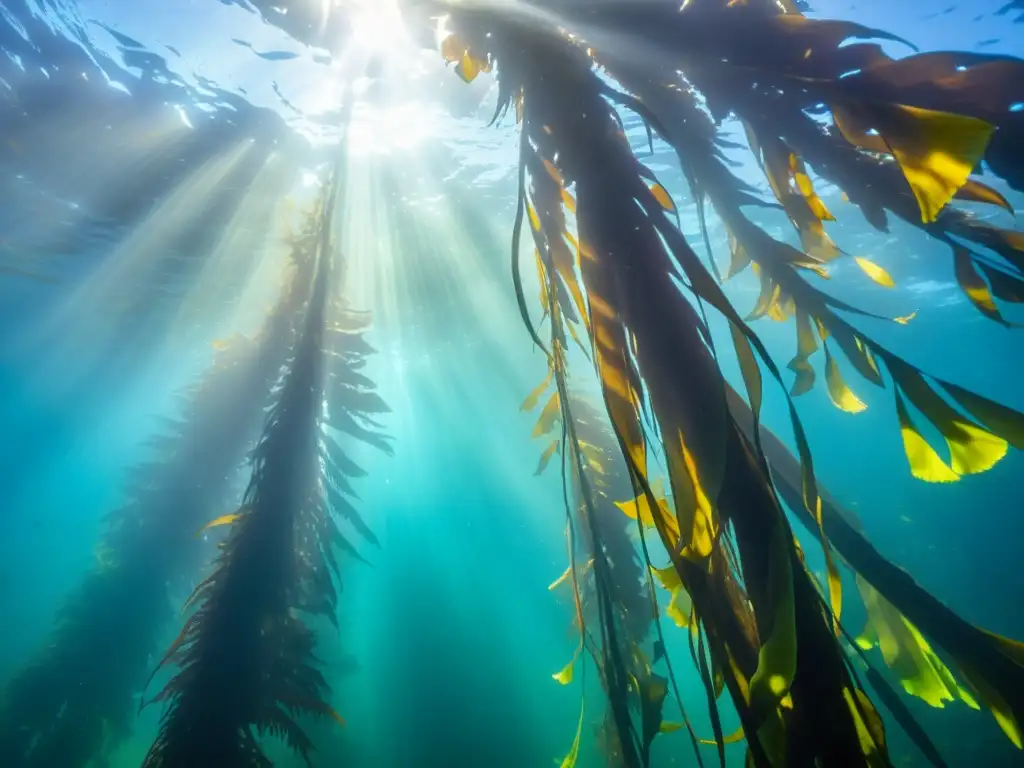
{"x": 154, "y": 265}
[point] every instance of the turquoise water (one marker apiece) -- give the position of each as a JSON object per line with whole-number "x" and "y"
{"x": 153, "y": 160}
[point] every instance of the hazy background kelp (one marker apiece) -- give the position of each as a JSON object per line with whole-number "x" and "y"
{"x": 138, "y": 200}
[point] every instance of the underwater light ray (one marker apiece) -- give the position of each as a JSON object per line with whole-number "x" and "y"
{"x": 87, "y": 320}
{"x": 436, "y": 308}
{"x": 235, "y": 281}
{"x": 101, "y": 190}
{"x": 132, "y": 260}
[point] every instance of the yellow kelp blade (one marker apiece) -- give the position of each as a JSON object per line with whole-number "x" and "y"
{"x": 680, "y": 606}
{"x": 545, "y": 457}
{"x": 838, "y": 390}
{"x": 997, "y": 706}
{"x": 733, "y": 738}
{"x": 551, "y": 414}
{"x": 937, "y": 151}
{"x": 972, "y": 449}
{"x": 663, "y": 197}
{"x": 561, "y": 579}
{"x": 870, "y": 730}
{"x": 806, "y": 345}
{"x": 907, "y": 653}
{"x": 534, "y": 219}
{"x": 738, "y": 257}
{"x": 1003, "y": 421}
{"x": 776, "y": 662}
{"x": 640, "y": 507}
{"x": 227, "y": 519}
{"x": 974, "y": 286}
{"x": 565, "y": 675}
{"x": 533, "y": 398}
{"x": 574, "y": 752}
{"x": 940, "y": 164}
{"x": 553, "y": 172}
{"x": 925, "y": 463}
{"x": 977, "y": 192}
{"x": 835, "y": 583}
{"x": 567, "y": 574}
{"x": 568, "y": 201}
{"x": 695, "y": 516}
{"x": 875, "y": 272}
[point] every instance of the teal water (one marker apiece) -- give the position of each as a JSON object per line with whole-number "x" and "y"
{"x": 142, "y": 227}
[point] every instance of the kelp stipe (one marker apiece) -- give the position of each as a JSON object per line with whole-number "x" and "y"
{"x": 246, "y": 656}
{"x": 614, "y": 609}
{"x": 76, "y": 700}
{"x": 610, "y": 583}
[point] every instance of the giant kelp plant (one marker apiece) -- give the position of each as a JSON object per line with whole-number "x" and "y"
{"x": 623, "y": 288}
{"x": 898, "y": 135}
{"x": 76, "y": 699}
{"x": 246, "y": 656}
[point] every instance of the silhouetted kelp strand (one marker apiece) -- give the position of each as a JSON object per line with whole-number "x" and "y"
{"x": 634, "y": 747}
{"x": 147, "y": 545}
{"x": 611, "y": 653}
{"x": 245, "y": 604}
{"x": 295, "y": 531}
{"x": 630, "y": 579}
{"x": 633, "y": 589}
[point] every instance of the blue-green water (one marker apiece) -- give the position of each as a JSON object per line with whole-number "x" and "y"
{"x": 151, "y": 165}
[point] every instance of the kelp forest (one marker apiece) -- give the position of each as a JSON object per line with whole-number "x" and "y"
{"x": 724, "y": 607}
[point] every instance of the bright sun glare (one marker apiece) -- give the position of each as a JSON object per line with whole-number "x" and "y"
{"x": 376, "y": 24}
{"x": 377, "y": 32}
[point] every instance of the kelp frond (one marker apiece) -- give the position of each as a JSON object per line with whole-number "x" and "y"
{"x": 776, "y": 647}
{"x": 75, "y": 701}
{"x": 246, "y": 657}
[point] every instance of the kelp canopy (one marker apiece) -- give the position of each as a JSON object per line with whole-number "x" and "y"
{"x": 818, "y": 99}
